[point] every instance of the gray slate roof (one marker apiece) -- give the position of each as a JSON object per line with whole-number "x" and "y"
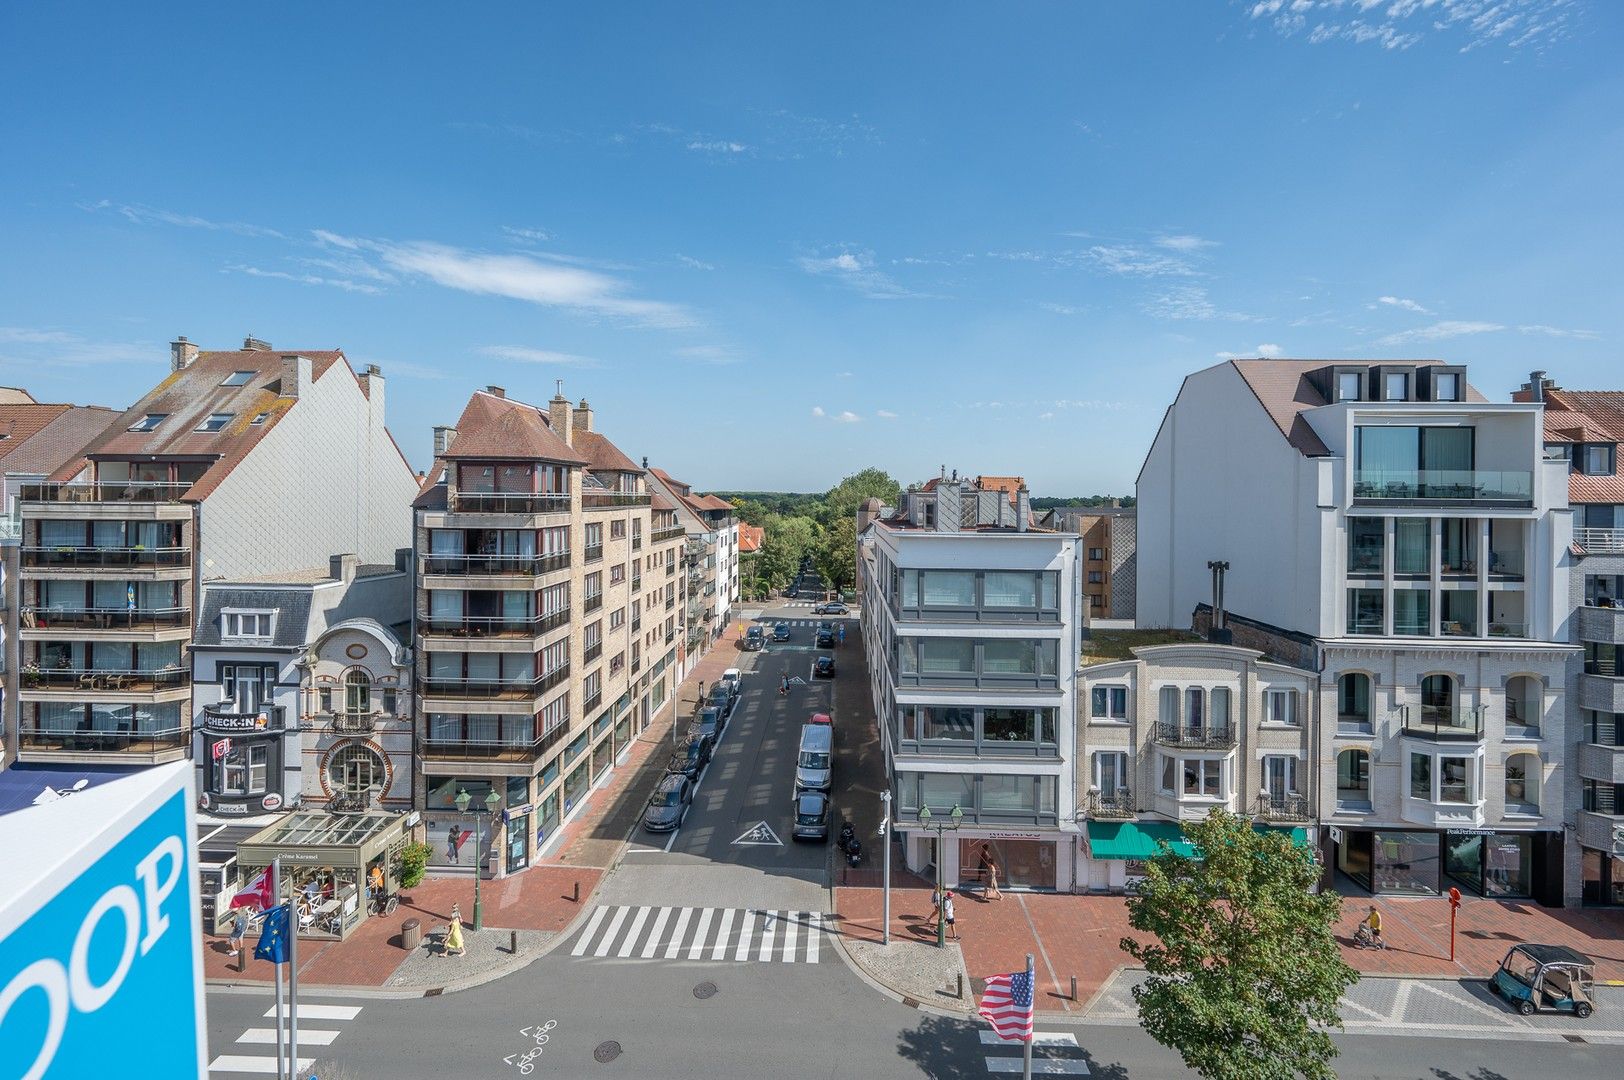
{"x": 291, "y": 627}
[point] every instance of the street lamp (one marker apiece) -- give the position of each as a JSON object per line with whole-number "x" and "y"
{"x": 954, "y": 819}
{"x": 492, "y": 801}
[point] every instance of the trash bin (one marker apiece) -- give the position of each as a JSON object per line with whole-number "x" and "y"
{"x": 411, "y": 934}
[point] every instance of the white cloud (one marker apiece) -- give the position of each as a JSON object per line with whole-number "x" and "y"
{"x": 717, "y": 146}
{"x": 534, "y": 236}
{"x": 1401, "y": 302}
{"x": 521, "y": 354}
{"x": 37, "y": 350}
{"x": 1188, "y": 302}
{"x": 1269, "y": 351}
{"x": 1183, "y": 242}
{"x": 817, "y": 410}
{"x": 150, "y": 215}
{"x": 846, "y": 418}
{"x": 843, "y": 374}
{"x": 1046, "y": 416}
{"x": 1442, "y": 331}
{"x": 855, "y": 269}
{"x": 710, "y": 354}
{"x": 1560, "y": 332}
{"x": 1400, "y": 24}
{"x": 1135, "y": 261}
{"x": 1265, "y": 351}
{"x": 305, "y": 279}
{"x": 694, "y": 264}
{"x": 885, "y": 414}
{"x": 1061, "y": 309}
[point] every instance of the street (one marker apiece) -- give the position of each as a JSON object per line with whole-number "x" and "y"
{"x": 708, "y": 953}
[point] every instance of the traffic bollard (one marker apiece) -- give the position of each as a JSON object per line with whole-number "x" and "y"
{"x": 961, "y": 986}
{"x": 1074, "y": 988}
{"x": 513, "y": 942}
{"x": 577, "y": 897}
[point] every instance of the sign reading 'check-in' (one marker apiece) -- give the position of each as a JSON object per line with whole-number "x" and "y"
{"x": 101, "y": 961}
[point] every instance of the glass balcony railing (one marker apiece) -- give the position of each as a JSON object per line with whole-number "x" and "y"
{"x": 472, "y": 565}
{"x": 493, "y": 626}
{"x": 37, "y": 735}
{"x": 112, "y": 618}
{"x": 1444, "y": 485}
{"x": 148, "y": 681}
{"x": 90, "y": 491}
{"x": 499, "y": 689}
{"x": 1443, "y": 722}
{"x": 510, "y": 502}
{"x": 90, "y": 558}
{"x": 605, "y": 500}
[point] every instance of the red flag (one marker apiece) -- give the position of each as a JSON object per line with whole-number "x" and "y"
{"x": 258, "y": 893}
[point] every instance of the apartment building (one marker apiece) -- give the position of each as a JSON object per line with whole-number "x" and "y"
{"x": 546, "y": 621}
{"x": 710, "y": 561}
{"x": 36, "y": 438}
{"x": 240, "y": 463}
{"x": 1171, "y": 731}
{"x": 1419, "y": 534}
{"x": 1583, "y": 428}
{"x": 970, "y": 626}
{"x": 301, "y": 690}
{"x": 1110, "y": 555}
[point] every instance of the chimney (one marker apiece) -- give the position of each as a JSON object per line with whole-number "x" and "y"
{"x": 645, "y": 462}
{"x": 181, "y": 353}
{"x": 496, "y": 391}
{"x": 1219, "y": 632}
{"x": 295, "y": 376}
{"x": 442, "y": 438}
{"x": 342, "y": 567}
{"x": 559, "y": 414}
{"x": 583, "y": 416}
{"x": 373, "y": 383}
{"x": 1536, "y": 386}
{"x": 1023, "y": 508}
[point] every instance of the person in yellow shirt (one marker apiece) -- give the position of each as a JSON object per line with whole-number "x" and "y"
{"x": 1374, "y": 921}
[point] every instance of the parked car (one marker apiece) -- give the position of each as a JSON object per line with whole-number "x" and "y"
{"x": 710, "y": 723}
{"x": 821, "y": 718}
{"x": 781, "y": 631}
{"x": 734, "y": 679}
{"x": 824, "y": 668}
{"x": 720, "y": 696}
{"x": 754, "y": 638}
{"x": 814, "y": 764}
{"x": 692, "y": 758}
{"x": 826, "y": 635}
{"x": 811, "y": 816}
{"x": 833, "y": 607}
{"x": 669, "y": 805}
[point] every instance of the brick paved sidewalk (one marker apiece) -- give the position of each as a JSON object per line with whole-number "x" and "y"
{"x": 1079, "y": 935}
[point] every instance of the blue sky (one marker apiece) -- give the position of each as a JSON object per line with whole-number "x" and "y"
{"x": 776, "y": 243}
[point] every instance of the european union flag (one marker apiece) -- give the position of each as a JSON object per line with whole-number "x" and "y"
{"x": 273, "y": 936}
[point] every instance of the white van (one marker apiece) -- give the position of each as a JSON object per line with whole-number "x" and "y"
{"x": 815, "y": 764}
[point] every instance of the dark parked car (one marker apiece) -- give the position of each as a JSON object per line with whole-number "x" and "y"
{"x": 833, "y": 607}
{"x": 710, "y": 723}
{"x": 811, "y": 816}
{"x": 824, "y": 668}
{"x": 719, "y": 696}
{"x": 690, "y": 761}
{"x": 781, "y": 631}
{"x": 669, "y": 804}
{"x": 826, "y": 635}
{"x": 754, "y": 638}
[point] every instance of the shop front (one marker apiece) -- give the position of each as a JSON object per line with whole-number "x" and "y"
{"x": 475, "y": 833}
{"x": 241, "y": 764}
{"x": 325, "y": 860}
{"x": 1114, "y": 853}
{"x": 1601, "y": 878}
{"x": 1022, "y": 860}
{"x": 1496, "y": 864}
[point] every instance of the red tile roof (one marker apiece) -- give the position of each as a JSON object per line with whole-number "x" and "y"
{"x": 60, "y": 440}
{"x": 601, "y": 454}
{"x": 1009, "y": 485}
{"x": 751, "y": 537}
{"x": 498, "y": 428}
{"x": 712, "y": 502}
{"x": 1578, "y": 416}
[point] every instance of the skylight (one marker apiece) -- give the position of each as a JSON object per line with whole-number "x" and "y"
{"x": 238, "y": 378}
{"x": 149, "y": 421}
{"x": 260, "y": 418}
{"x": 216, "y": 421}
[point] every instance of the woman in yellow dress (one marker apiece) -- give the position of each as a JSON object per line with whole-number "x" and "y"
{"x": 453, "y": 935}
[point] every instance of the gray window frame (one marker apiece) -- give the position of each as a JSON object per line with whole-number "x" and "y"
{"x": 978, "y": 745}
{"x": 979, "y": 610}
{"x": 907, "y": 790}
{"x": 978, "y": 676}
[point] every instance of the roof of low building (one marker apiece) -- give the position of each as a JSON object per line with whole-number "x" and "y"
{"x": 289, "y": 629}
{"x": 601, "y": 454}
{"x": 751, "y": 537}
{"x": 1586, "y": 416}
{"x": 41, "y": 438}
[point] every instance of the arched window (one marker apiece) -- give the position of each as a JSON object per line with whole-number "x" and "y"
{"x": 356, "y": 770}
{"x": 1522, "y": 784}
{"x": 1525, "y": 702}
{"x": 357, "y": 691}
{"x": 1353, "y": 698}
{"x": 1438, "y": 701}
{"x": 1353, "y": 780}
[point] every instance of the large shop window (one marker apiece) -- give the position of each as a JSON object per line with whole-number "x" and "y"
{"x": 1407, "y": 862}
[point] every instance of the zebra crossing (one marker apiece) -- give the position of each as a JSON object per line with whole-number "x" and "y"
{"x": 255, "y": 1052}
{"x": 1059, "y": 1054}
{"x": 759, "y": 935}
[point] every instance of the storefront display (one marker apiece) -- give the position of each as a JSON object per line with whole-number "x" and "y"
{"x": 1480, "y": 862}
{"x": 242, "y": 762}
{"x": 1023, "y": 863}
{"x": 1407, "y": 863}
{"x": 325, "y": 860}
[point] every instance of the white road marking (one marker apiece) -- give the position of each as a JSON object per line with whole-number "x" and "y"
{"x": 676, "y": 933}
{"x": 1039, "y": 1038}
{"x": 609, "y": 934}
{"x": 698, "y": 948}
{"x": 746, "y": 931}
{"x": 307, "y": 1037}
{"x": 586, "y": 935}
{"x": 631, "y": 935}
{"x": 323, "y": 1012}
{"x": 654, "y": 932}
{"x": 792, "y": 923}
{"x": 238, "y": 1063}
{"x": 722, "y": 932}
{"x": 769, "y": 928}
{"x": 814, "y": 930}
{"x": 1040, "y": 1066}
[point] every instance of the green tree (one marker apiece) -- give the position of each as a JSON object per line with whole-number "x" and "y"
{"x": 786, "y": 540}
{"x": 1244, "y": 972}
{"x": 837, "y": 555}
{"x": 845, "y": 497}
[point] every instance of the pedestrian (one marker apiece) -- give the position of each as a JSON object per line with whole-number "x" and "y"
{"x": 453, "y": 843}
{"x": 840, "y": 634}
{"x": 947, "y": 914}
{"x": 783, "y": 684}
{"x": 936, "y": 911}
{"x": 453, "y": 934}
{"x": 989, "y": 867}
{"x": 239, "y": 928}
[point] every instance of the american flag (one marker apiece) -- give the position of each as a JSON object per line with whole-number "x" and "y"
{"x": 1007, "y": 1005}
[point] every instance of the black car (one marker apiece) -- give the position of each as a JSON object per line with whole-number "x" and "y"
{"x": 721, "y": 695}
{"x": 710, "y": 723}
{"x": 811, "y": 816}
{"x": 669, "y": 805}
{"x": 824, "y": 668}
{"x": 781, "y": 631}
{"x": 833, "y": 607}
{"x": 690, "y": 761}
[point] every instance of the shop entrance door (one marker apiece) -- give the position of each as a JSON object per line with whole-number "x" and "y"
{"x": 1022, "y": 864}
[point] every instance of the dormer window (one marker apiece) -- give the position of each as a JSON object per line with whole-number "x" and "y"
{"x": 237, "y": 378}
{"x": 149, "y": 422}
{"x": 1446, "y": 386}
{"x": 1348, "y": 386}
{"x": 216, "y": 421}
{"x": 246, "y": 625}
{"x": 1599, "y": 459}
{"x": 1396, "y": 385}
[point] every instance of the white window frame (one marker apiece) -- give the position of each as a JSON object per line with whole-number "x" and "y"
{"x": 1272, "y": 700}
{"x": 1112, "y": 692}
{"x": 233, "y": 622}
{"x": 1291, "y": 774}
{"x": 1104, "y": 758}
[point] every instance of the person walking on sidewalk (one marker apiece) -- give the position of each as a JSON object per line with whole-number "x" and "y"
{"x": 783, "y": 684}
{"x": 239, "y": 928}
{"x": 453, "y": 934}
{"x": 947, "y": 914}
{"x": 989, "y": 868}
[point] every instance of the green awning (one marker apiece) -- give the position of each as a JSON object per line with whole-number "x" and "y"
{"x": 1134, "y": 839}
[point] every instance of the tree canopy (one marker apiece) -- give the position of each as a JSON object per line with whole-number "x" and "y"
{"x": 1244, "y": 973}
{"x": 822, "y": 526}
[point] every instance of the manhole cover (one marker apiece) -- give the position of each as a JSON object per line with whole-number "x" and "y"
{"x": 705, "y": 990}
{"x": 607, "y": 1051}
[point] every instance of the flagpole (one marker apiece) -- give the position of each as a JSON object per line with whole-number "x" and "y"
{"x": 293, "y": 991}
{"x": 1026, "y": 1055}
{"x": 276, "y": 898}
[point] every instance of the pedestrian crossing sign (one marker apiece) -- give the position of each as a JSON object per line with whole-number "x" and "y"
{"x": 759, "y": 835}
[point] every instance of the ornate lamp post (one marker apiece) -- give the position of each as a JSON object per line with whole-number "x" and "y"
{"x": 492, "y": 801}
{"x": 954, "y": 819}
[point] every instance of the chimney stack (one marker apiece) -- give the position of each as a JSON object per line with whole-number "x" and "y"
{"x": 296, "y": 376}
{"x": 583, "y": 417}
{"x": 1536, "y": 386}
{"x": 342, "y": 567}
{"x": 559, "y": 415}
{"x": 496, "y": 391}
{"x": 372, "y": 382}
{"x": 645, "y": 462}
{"x": 443, "y": 435}
{"x": 181, "y": 353}
{"x": 1023, "y": 509}
{"x": 1219, "y": 632}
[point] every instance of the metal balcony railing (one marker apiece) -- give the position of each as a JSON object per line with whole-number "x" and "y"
{"x": 592, "y": 652}
{"x": 608, "y": 500}
{"x": 493, "y": 689}
{"x": 593, "y": 602}
{"x": 1203, "y": 737}
{"x": 440, "y": 749}
{"x": 637, "y": 582}
{"x": 111, "y": 618}
{"x": 149, "y": 681}
{"x": 1444, "y": 485}
{"x": 89, "y": 558}
{"x": 510, "y": 502}
{"x": 35, "y": 735}
{"x": 660, "y": 536}
{"x": 594, "y": 552}
{"x": 1111, "y": 804}
{"x": 637, "y": 541}
{"x": 592, "y": 702}
{"x": 494, "y": 626}
{"x": 1283, "y": 808}
{"x": 355, "y": 723}
{"x": 472, "y": 565}
{"x": 83, "y": 491}
{"x": 1600, "y": 541}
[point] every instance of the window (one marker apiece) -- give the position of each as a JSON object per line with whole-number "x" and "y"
{"x": 259, "y": 419}
{"x": 243, "y": 769}
{"x": 247, "y": 624}
{"x": 1364, "y": 611}
{"x": 594, "y": 583}
{"x": 1446, "y": 386}
{"x": 1353, "y": 780}
{"x": 617, "y": 574}
{"x": 1110, "y": 771}
{"x": 1598, "y": 459}
{"x": 948, "y": 588}
{"x": 1219, "y": 699}
{"x": 1203, "y": 778}
{"x": 237, "y": 378}
{"x": 1525, "y": 702}
{"x": 1353, "y": 698}
{"x": 1347, "y": 385}
{"x": 592, "y": 535}
{"x": 1169, "y": 767}
{"x": 1095, "y": 600}
{"x": 1006, "y": 589}
{"x": 617, "y": 618}
{"x": 1420, "y": 777}
{"x": 1412, "y": 546}
{"x": 1438, "y": 700}
{"x": 357, "y": 692}
{"x": 617, "y": 529}
{"x": 1280, "y": 775}
{"x": 1366, "y": 539}
{"x": 1412, "y": 612}
{"x": 1169, "y": 705}
{"x": 946, "y": 722}
{"x": 1195, "y": 700}
{"x": 1396, "y": 386}
{"x": 149, "y": 422}
{"x": 1108, "y": 703}
{"x": 1455, "y": 780}
{"x": 1096, "y": 554}
{"x": 1280, "y": 707}
{"x": 249, "y": 687}
{"x": 1096, "y": 577}
{"x": 216, "y": 421}
{"x": 356, "y": 770}
{"x": 1522, "y": 784}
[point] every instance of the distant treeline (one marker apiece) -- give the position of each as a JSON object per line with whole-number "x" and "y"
{"x": 1092, "y": 500}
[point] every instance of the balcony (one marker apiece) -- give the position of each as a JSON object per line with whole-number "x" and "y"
{"x": 111, "y": 680}
{"x": 355, "y": 723}
{"x": 106, "y": 558}
{"x": 464, "y": 750}
{"x": 592, "y": 652}
{"x": 1601, "y": 763}
{"x": 660, "y": 536}
{"x": 1599, "y": 541}
{"x": 1604, "y": 832}
{"x": 1284, "y": 808}
{"x": 495, "y": 626}
{"x": 43, "y": 742}
{"x": 1443, "y": 723}
{"x": 612, "y": 500}
{"x": 111, "y": 618}
{"x": 1201, "y": 738}
{"x": 1602, "y": 692}
{"x": 1111, "y": 805}
{"x": 494, "y": 565}
{"x": 594, "y": 552}
{"x": 104, "y": 491}
{"x": 593, "y": 602}
{"x": 1602, "y": 624}
{"x": 509, "y": 502}
{"x": 1454, "y": 487}
{"x": 492, "y": 689}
